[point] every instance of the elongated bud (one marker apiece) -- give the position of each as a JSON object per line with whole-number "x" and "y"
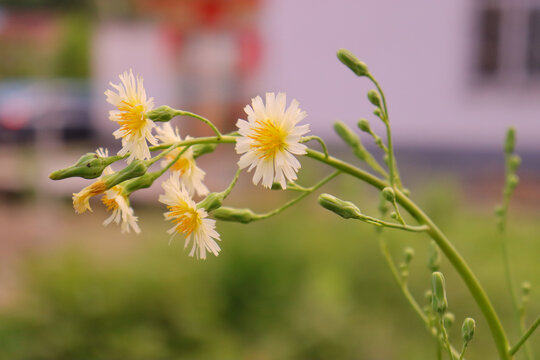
{"x": 201, "y": 149}
{"x": 211, "y": 202}
{"x": 448, "y": 320}
{"x": 236, "y": 215}
{"x": 408, "y": 255}
{"x": 348, "y": 59}
{"x": 510, "y": 143}
{"x": 363, "y": 125}
{"x": 135, "y": 169}
{"x": 467, "y": 330}
{"x": 389, "y": 194}
{"x": 439, "y": 302}
{"x": 346, "y": 134}
{"x": 141, "y": 182}
{"x": 434, "y": 257}
{"x": 89, "y": 166}
{"x": 162, "y": 113}
{"x": 374, "y": 98}
{"x": 345, "y": 209}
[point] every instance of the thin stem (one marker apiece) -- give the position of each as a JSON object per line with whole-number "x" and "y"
{"x": 195, "y": 141}
{"x": 203, "y": 119}
{"x": 398, "y": 214}
{"x": 463, "y": 348}
{"x": 297, "y": 199}
{"x": 457, "y": 261}
{"x": 445, "y": 337}
{"x": 525, "y": 336}
{"x": 228, "y": 190}
{"x": 406, "y": 292}
{"x": 318, "y": 139}
{"x": 379, "y": 222}
{"x": 172, "y": 162}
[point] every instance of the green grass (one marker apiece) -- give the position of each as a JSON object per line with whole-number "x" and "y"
{"x": 302, "y": 285}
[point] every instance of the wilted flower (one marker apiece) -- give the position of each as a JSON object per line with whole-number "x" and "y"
{"x": 190, "y": 174}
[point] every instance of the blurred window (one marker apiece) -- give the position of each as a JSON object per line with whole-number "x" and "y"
{"x": 533, "y": 42}
{"x": 488, "y": 57}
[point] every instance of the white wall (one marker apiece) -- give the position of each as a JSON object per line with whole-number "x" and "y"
{"x": 420, "y": 50}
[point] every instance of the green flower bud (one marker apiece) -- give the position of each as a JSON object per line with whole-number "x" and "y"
{"x": 236, "y": 215}
{"x": 526, "y": 288}
{"x": 363, "y": 125}
{"x": 374, "y": 98}
{"x": 434, "y": 257}
{"x": 448, "y": 320}
{"x": 378, "y": 113}
{"x": 439, "y": 302}
{"x": 345, "y": 209}
{"x": 394, "y": 216}
{"x": 510, "y": 143}
{"x": 162, "y": 114}
{"x": 346, "y": 134}
{"x": 513, "y": 181}
{"x": 428, "y": 295}
{"x": 135, "y": 169}
{"x": 89, "y": 166}
{"x": 467, "y": 330}
{"x": 408, "y": 255}
{"x": 513, "y": 162}
{"x": 141, "y": 182}
{"x": 201, "y": 149}
{"x": 211, "y": 202}
{"x": 406, "y": 192}
{"x": 348, "y": 59}
{"x": 499, "y": 211}
{"x": 389, "y": 194}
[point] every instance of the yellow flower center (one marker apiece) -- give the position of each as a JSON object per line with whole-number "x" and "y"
{"x": 269, "y": 138}
{"x": 109, "y": 203}
{"x": 186, "y": 218}
{"x": 183, "y": 164}
{"x": 132, "y": 118}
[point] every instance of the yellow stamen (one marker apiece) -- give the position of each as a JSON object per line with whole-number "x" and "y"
{"x": 132, "y": 118}
{"x": 269, "y": 138}
{"x": 182, "y": 165}
{"x": 81, "y": 199}
{"x": 186, "y": 218}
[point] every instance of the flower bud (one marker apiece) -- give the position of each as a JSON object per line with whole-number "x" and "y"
{"x": 346, "y": 134}
{"x": 428, "y": 295}
{"x": 499, "y": 211}
{"x": 408, "y": 255}
{"x": 236, "y": 215}
{"x": 526, "y": 288}
{"x": 141, "y": 182}
{"x": 434, "y": 257}
{"x": 439, "y": 302}
{"x": 374, "y": 98}
{"x": 363, "y": 125}
{"x": 378, "y": 113}
{"x": 135, "y": 169}
{"x": 89, "y": 166}
{"x": 352, "y": 62}
{"x": 389, "y": 194}
{"x": 513, "y": 162}
{"x": 161, "y": 114}
{"x": 510, "y": 143}
{"x": 467, "y": 330}
{"x": 211, "y": 202}
{"x": 345, "y": 209}
{"x": 513, "y": 181}
{"x": 448, "y": 320}
{"x": 394, "y": 215}
{"x": 201, "y": 149}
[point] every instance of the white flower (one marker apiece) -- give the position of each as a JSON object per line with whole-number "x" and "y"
{"x": 189, "y": 220}
{"x": 116, "y": 202}
{"x": 132, "y": 104}
{"x": 270, "y": 139}
{"x": 190, "y": 174}
{"x": 103, "y": 153}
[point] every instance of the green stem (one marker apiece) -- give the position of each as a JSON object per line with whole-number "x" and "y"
{"x": 525, "y": 336}
{"x": 228, "y": 190}
{"x": 297, "y": 199}
{"x": 379, "y": 222}
{"x": 195, "y": 141}
{"x": 318, "y": 139}
{"x": 457, "y": 261}
{"x": 203, "y": 119}
{"x": 445, "y": 337}
{"x": 406, "y": 292}
{"x": 463, "y": 350}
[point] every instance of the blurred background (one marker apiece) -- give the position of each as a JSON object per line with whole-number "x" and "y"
{"x": 303, "y": 285}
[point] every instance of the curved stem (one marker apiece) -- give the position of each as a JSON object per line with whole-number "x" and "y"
{"x": 318, "y": 139}
{"x": 457, "y": 261}
{"x": 201, "y": 140}
{"x": 203, "y": 119}
{"x": 525, "y": 336}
